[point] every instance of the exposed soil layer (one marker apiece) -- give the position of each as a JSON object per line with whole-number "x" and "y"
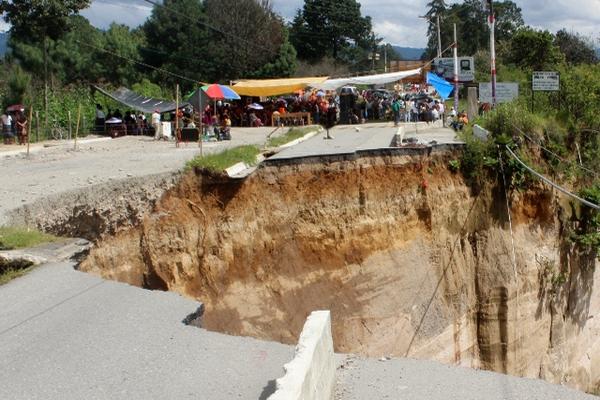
{"x": 408, "y": 260}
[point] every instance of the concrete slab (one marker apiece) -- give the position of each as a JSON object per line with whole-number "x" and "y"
{"x": 409, "y": 379}
{"x": 69, "y": 335}
{"x": 349, "y": 139}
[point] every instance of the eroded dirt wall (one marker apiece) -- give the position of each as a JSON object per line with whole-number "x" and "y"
{"x": 408, "y": 260}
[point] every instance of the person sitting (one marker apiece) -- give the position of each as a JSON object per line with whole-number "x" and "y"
{"x": 459, "y": 123}
{"x": 225, "y": 133}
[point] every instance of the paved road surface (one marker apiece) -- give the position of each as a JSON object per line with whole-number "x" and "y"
{"x": 349, "y": 139}
{"x": 408, "y": 379}
{"x": 69, "y": 335}
{"x": 60, "y": 169}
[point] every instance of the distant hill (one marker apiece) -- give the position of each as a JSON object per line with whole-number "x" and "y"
{"x": 409, "y": 53}
{"x": 3, "y": 43}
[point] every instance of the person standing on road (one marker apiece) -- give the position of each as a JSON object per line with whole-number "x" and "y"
{"x": 156, "y": 125}
{"x": 7, "y": 131}
{"x": 22, "y": 127}
{"x": 330, "y": 117}
{"x": 396, "y": 111}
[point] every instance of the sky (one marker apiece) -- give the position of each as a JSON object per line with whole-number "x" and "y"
{"x": 397, "y": 21}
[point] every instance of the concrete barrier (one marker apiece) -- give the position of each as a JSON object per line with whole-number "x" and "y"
{"x": 311, "y": 374}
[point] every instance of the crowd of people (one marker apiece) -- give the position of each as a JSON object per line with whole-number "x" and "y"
{"x": 351, "y": 107}
{"x": 15, "y": 124}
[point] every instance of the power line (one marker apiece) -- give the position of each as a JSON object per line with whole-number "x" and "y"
{"x": 553, "y": 153}
{"x": 139, "y": 62}
{"x": 549, "y": 182}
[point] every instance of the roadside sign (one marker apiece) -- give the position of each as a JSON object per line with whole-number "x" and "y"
{"x": 444, "y": 67}
{"x": 545, "y": 81}
{"x": 505, "y": 92}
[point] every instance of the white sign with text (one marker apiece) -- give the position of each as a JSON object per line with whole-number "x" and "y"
{"x": 505, "y": 92}
{"x": 545, "y": 81}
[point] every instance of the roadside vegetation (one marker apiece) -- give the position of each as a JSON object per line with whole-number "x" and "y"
{"x": 218, "y": 162}
{"x": 291, "y": 135}
{"x": 20, "y": 238}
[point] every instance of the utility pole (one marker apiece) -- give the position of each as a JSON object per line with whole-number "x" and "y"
{"x": 439, "y": 33}
{"x": 492, "y": 25}
{"x": 455, "y": 46}
{"x": 439, "y": 38}
{"x": 385, "y": 58}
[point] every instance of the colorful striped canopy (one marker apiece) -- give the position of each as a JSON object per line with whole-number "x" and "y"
{"x": 220, "y": 92}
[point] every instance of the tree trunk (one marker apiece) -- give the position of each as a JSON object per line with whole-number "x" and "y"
{"x": 45, "y": 82}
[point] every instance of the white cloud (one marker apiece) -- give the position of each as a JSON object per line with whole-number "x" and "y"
{"x": 395, "y": 20}
{"x": 104, "y": 12}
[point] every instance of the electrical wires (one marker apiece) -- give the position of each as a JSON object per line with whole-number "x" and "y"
{"x": 549, "y": 182}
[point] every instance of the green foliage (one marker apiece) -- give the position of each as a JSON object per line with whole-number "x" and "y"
{"x": 330, "y": 28}
{"x": 19, "y": 238}
{"x": 454, "y": 165}
{"x": 470, "y": 17}
{"x": 284, "y": 65}
{"x": 220, "y": 161}
{"x": 533, "y": 50}
{"x": 588, "y": 234}
{"x": 576, "y": 48}
{"x": 37, "y": 19}
{"x": 18, "y": 86}
{"x": 8, "y": 274}
{"x": 290, "y": 135}
{"x": 476, "y": 157}
{"x": 150, "y": 89}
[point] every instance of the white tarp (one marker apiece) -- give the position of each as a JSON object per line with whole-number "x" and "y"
{"x": 379, "y": 79}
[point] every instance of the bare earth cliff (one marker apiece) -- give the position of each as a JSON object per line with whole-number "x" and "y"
{"x": 409, "y": 261}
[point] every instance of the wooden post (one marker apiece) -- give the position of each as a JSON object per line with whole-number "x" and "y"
{"x": 28, "y": 127}
{"x": 77, "y": 128}
{"x": 37, "y": 126}
{"x": 70, "y": 128}
{"x": 201, "y": 115}
{"x": 177, "y": 115}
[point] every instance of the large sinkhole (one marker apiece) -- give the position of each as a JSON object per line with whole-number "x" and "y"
{"x": 408, "y": 259}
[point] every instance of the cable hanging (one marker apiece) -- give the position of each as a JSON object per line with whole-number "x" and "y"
{"x": 553, "y": 153}
{"x": 549, "y": 182}
{"x": 138, "y": 62}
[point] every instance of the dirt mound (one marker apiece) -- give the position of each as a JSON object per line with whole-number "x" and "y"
{"x": 410, "y": 262}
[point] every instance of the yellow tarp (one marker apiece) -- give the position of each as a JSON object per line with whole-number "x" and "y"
{"x": 275, "y": 87}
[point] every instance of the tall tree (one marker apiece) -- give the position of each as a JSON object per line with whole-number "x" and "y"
{"x": 534, "y": 50}
{"x": 328, "y": 28}
{"x": 576, "y": 48}
{"x": 249, "y": 38}
{"x": 40, "y": 21}
{"x": 437, "y": 9}
{"x": 179, "y": 41}
{"x": 470, "y": 17}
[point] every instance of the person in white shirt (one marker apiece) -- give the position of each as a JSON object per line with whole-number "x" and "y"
{"x": 156, "y": 125}
{"x": 407, "y": 108}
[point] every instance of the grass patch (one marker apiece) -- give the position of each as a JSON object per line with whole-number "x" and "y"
{"x": 218, "y": 162}
{"x": 292, "y": 134}
{"x": 13, "y": 273}
{"x": 20, "y": 238}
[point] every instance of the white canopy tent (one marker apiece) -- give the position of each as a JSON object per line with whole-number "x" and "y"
{"x": 379, "y": 79}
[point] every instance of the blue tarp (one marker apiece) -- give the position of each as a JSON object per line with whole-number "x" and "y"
{"x": 443, "y": 87}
